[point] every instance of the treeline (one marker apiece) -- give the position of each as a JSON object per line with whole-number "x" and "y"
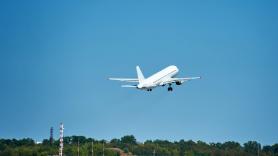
{"x": 129, "y": 145}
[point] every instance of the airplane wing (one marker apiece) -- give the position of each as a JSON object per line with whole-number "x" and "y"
{"x": 180, "y": 80}
{"x": 129, "y": 86}
{"x": 124, "y": 79}
{"x": 185, "y": 79}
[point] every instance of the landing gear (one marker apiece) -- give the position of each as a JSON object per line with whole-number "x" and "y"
{"x": 149, "y": 90}
{"x": 170, "y": 88}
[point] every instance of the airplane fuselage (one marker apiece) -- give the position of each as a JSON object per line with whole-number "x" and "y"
{"x": 158, "y": 78}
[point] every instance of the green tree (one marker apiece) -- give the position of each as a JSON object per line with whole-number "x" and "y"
{"x": 252, "y": 147}
{"x": 128, "y": 139}
{"x": 275, "y": 149}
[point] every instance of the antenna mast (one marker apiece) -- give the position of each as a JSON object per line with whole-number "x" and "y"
{"x": 51, "y": 136}
{"x": 61, "y": 139}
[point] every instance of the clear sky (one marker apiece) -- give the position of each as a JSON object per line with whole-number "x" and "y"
{"x": 56, "y": 56}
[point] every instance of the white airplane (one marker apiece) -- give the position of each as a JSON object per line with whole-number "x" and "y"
{"x": 161, "y": 78}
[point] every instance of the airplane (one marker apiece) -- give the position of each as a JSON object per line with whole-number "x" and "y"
{"x": 161, "y": 78}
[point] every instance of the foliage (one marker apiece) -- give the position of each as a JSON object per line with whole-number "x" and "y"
{"x": 128, "y": 144}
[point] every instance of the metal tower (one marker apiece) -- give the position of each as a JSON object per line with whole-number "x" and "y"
{"x": 51, "y": 136}
{"x": 61, "y": 139}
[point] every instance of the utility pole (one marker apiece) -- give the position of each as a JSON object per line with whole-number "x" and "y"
{"x": 258, "y": 149}
{"x": 103, "y": 148}
{"x": 92, "y": 148}
{"x": 78, "y": 147}
{"x": 154, "y": 149}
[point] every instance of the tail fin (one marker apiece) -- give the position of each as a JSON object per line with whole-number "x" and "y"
{"x": 139, "y": 74}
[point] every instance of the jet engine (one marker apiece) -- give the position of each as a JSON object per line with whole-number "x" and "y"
{"x": 179, "y": 82}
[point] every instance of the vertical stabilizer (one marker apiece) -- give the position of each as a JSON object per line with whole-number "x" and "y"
{"x": 139, "y": 74}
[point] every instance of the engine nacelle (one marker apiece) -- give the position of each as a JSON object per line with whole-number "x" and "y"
{"x": 178, "y": 83}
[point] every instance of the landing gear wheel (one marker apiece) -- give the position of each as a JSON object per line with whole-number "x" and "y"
{"x": 170, "y": 89}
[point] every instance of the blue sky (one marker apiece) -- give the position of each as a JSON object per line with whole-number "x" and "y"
{"x": 56, "y": 56}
